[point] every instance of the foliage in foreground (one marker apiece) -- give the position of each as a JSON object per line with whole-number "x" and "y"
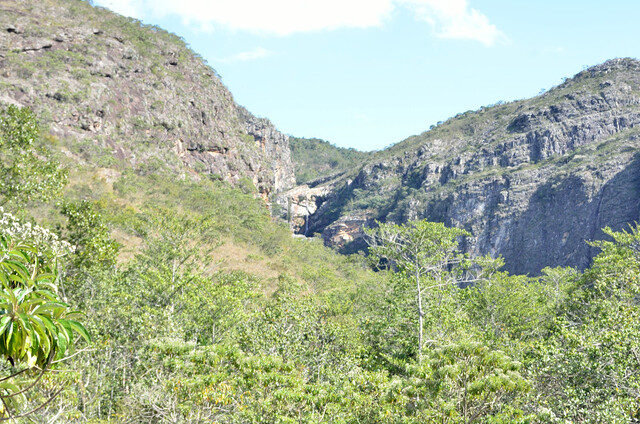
{"x": 37, "y": 328}
{"x": 558, "y": 348}
{"x": 177, "y": 338}
{"x": 27, "y": 172}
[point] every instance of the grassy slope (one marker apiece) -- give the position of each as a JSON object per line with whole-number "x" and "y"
{"x": 249, "y": 239}
{"x": 128, "y": 191}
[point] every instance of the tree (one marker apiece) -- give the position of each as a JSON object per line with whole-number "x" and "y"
{"x": 36, "y": 327}
{"x": 469, "y": 381}
{"x": 589, "y": 366}
{"x": 425, "y": 252}
{"x": 27, "y": 171}
{"x": 517, "y": 307}
{"x": 94, "y": 247}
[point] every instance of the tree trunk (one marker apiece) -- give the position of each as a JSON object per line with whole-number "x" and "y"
{"x": 420, "y": 318}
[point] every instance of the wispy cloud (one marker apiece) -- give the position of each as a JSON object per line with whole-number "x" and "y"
{"x": 452, "y": 19}
{"x": 279, "y": 17}
{"x": 257, "y": 53}
{"x": 455, "y": 19}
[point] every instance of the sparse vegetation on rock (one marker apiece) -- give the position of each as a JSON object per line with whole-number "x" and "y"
{"x": 549, "y": 171}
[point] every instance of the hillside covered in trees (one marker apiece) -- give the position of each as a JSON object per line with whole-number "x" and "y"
{"x": 146, "y": 287}
{"x": 316, "y": 159}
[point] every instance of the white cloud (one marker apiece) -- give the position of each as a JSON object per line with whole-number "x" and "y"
{"x": 257, "y": 53}
{"x": 279, "y": 17}
{"x": 453, "y": 19}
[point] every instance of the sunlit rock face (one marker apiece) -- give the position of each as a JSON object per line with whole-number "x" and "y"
{"x": 532, "y": 180}
{"x": 133, "y": 93}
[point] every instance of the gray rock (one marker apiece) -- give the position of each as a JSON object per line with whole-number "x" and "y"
{"x": 532, "y": 180}
{"x": 157, "y": 99}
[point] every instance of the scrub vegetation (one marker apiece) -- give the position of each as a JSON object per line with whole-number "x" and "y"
{"x": 197, "y": 307}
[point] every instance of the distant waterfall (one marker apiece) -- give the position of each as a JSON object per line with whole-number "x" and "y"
{"x": 306, "y": 222}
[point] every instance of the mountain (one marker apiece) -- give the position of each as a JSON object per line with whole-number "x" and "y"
{"x": 532, "y": 180}
{"x": 544, "y": 172}
{"x": 316, "y": 159}
{"x": 136, "y": 195}
{"x": 120, "y": 94}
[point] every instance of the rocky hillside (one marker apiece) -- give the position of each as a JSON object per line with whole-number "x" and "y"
{"x": 531, "y": 180}
{"x": 119, "y": 94}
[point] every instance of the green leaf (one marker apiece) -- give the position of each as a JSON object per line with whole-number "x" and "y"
{"x": 4, "y": 322}
{"x": 9, "y": 334}
{"x": 54, "y": 309}
{"x": 28, "y": 303}
{"x": 51, "y": 327}
{"x": 24, "y": 319}
{"x": 17, "y": 267}
{"x": 46, "y": 276}
{"x": 8, "y": 386}
{"x": 62, "y": 344}
{"x": 66, "y": 326}
{"x": 47, "y": 294}
{"x": 79, "y": 328}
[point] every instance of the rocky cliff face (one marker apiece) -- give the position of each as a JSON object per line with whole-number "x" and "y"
{"x": 130, "y": 95}
{"x": 532, "y": 180}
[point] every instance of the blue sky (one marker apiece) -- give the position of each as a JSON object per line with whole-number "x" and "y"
{"x": 369, "y": 73}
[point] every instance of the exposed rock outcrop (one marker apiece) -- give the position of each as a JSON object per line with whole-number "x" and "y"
{"x": 113, "y": 86}
{"x": 300, "y": 203}
{"x": 532, "y": 180}
{"x": 345, "y": 231}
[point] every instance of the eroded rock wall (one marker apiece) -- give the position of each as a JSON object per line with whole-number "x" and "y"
{"x": 132, "y": 95}
{"x": 532, "y": 180}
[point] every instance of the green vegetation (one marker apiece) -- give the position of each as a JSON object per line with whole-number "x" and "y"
{"x": 37, "y": 328}
{"x": 26, "y": 170}
{"x": 425, "y": 252}
{"x": 198, "y": 307}
{"x": 314, "y": 158}
{"x": 201, "y": 309}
